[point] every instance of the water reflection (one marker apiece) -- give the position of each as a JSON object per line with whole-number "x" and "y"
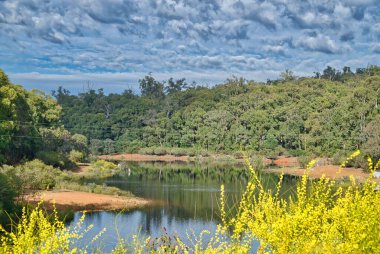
{"x": 189, "y": 195}
{"x": 147, "y": 222}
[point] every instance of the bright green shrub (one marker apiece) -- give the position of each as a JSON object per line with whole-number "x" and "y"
{"x": 76, "y": 156}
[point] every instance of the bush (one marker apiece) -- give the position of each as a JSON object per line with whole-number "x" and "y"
{"x": 359, "y": 162}
{"x": 296, "y": 153}
{"x": 55, "y": 159}
{"x": 127, "y": 146}
{"x": 9, "y": 189}
{"x": 322, "y": 218}
{"x": 178, "y": 151}
{"x": 147, "y": 151}
{"x": 102, "y": 168}
{"x": 35, "y": 175}
{"x": 191, "y": 152}
{"x": 76, "y": 156}
{"x": 238, "y": 155}
{"x": 160, "y": 151}
{"x": 258, "y": 162}
{"x": 339, "y": 157}
{"x": 39, "y": 232}
{"x": 304, "y": 160}
{"x": 205, "y": 153}
{"x": 93, "y": 188}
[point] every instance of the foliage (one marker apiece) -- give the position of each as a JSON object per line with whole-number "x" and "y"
{"x": 176, "y": 151}
{"x": 33, "y": 175}
{"x": 55, "y": 159}
{"x": 76, "y": 156}
{"x": 304, "y": 160}
{"x": 8, "y": 192}
{"x": 92, "y": 188}
{"x": 102, "y": 168}
{"x": 320, "y": 115}
{"x": 323, "y": 218}
{"x": 372, "y": 136}
{"x": 23, "y": 114}
{"x": 38, "y": 232}
{"x": 258, "y": 162}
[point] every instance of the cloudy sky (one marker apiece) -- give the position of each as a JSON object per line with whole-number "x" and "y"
{"x": 113, "y": 43}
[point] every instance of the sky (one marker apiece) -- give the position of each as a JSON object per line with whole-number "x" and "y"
{"x": 112, "y": 44}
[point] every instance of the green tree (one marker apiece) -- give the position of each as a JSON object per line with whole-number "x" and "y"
{"x": 151, "y": 88}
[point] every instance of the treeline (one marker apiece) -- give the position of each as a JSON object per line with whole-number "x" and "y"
{"x": 330, "y": 113}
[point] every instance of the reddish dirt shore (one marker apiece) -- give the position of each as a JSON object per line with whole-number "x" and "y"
{"x": 330, "y": 171}
{"x": 84, "y": 201}
{"x": 143, "y": 157}
{"x": 283, "y": 161}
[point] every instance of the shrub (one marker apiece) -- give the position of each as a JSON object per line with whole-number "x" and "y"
{"x": 35, "y": 175}
{"x": 178, "y": 151}
{"x": 338, "y": 158}
{"x": 297, "y": 153}
{"x": 304, "y": 160}
{"x": 39, "y": 232}
{"x": 102, "y": 168}
{"x": 238, "y": 155}
{"x": 76, "y": 156}
{"x": 9, "y": 189}
{"x": 93, "y": 188}
{"x": 147, "y": 151}
{"x": 160, "y": 151}
{"x": 205, "y": 153}
{"x": 191, "y": 152}
{"x": 127, "y": 146}
{"x": 55, "y": 159}
{"x": 258, "y": 162}
{"x": 323, "y": 217}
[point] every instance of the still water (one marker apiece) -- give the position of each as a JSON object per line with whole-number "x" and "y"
{"x": 188, "y": 196}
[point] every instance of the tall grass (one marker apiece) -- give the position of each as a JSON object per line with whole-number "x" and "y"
{"x": 323, "y": 217}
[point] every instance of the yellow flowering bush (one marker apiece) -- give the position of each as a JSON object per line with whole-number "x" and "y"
{"x": 38, "y": 232}
{"x": 102, "y": 168}
{"x": 323, "y": 218}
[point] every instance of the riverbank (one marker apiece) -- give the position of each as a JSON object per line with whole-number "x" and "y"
{"x": 143, "y": 157}
{"x": 329, "y": 171}
{"x": 281, "y": 161}
{"x": 285, "y": 164}
{"x": 84, "y": 201}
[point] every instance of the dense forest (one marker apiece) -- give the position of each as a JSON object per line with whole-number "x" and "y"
{"x": 332, "y": 112}
{"x": 328, "y": 114}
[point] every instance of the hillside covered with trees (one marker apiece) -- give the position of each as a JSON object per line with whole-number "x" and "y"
{"x": 332, "y": 112}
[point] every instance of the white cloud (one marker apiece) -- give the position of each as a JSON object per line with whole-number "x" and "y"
{"x": 167, "y": 36}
